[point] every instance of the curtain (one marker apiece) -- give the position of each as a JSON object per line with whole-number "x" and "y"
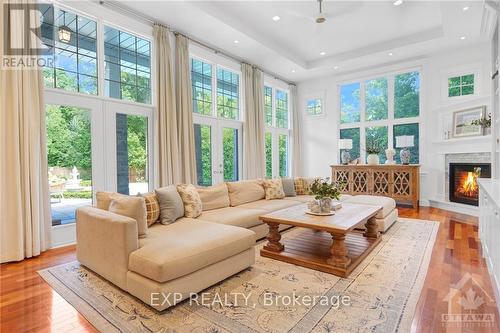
{"x": 253, "y": 128}
{"x": 25, "y": 221}
{"x": 167, "y": 163}
{"x": 296, "y": 133}
{"x": 185, "y": 110}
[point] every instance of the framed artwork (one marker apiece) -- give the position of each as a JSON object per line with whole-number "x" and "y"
{"x": 462, "y": 122}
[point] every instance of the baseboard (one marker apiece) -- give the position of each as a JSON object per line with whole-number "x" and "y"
{"x": 455, "y": 207}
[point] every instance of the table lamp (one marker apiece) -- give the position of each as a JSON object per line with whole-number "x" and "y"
{"x": 345, "y": 145}
{"x": 405, "y": 141}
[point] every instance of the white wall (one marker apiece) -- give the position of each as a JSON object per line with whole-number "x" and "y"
{"x": 320, "y": 135}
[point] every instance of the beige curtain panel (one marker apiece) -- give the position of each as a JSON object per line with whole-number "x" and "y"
{"x": 185, "y": 110}
{"x": 168, "y": 163}
{"x": 25, "y": 221}
{"x": 296, "y": 132}
{"x": 253, "y": 128}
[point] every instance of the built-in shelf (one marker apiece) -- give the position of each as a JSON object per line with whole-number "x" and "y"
{"x": 474, "y": 139}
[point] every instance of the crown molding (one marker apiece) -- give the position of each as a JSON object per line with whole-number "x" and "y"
{"x": 489, "y": 19}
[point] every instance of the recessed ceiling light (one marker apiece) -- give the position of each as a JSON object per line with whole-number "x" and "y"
{"x": 276, "y": 18}
{"x": 466, "y": 8}
{"x": 397, "y": 2}
{"x": 293, "y": 70}
{"x": 390, "y": 54}
{"x": 463, "y": 37}
{"x": 335, "y": 67}
{"x": 236, "y": 41}
{"x": 322, "y": 53}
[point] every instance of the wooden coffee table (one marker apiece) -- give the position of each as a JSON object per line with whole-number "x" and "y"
{"x": 328, "y": 243}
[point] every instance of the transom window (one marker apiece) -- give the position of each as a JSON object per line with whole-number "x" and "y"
{"x": 314, "y": 107}
{"x": 201, "y": 80}
{"x": 127, "y": 66}
{"x": 228, "y": 94}
{"x": 461, "y": 85}
{"x": 369, "y": 119}
{"x": 277, "y": 136}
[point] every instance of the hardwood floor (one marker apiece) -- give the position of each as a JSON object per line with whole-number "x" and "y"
{"x": 28, "y": 304}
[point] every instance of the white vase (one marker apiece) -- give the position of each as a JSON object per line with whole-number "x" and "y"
{"x": 372, "y": 159}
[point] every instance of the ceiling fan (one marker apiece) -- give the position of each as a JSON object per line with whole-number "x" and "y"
{"x": 320, "y": 18}
{"x": 339, "y": 9}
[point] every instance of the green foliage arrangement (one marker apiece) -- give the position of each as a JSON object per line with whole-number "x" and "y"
{"x": 324, "y": 188}
{"x": 373, "y": 147}
{"x": 483, "y": 122}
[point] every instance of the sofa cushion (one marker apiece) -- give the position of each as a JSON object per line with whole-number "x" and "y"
{"x": 152, "y": 207}
{"x": 171, "y": 205}
{"x": 103, "y": 199}
{"x": 133, "y": 207}
{"x": 245, "y": 191}
{"x": 187, "y": 246}
{"x": 309, "y": 198}
{"x": 270, "y": 205}
{"x": 387, "y": 204}
{"x": 288, "y": 187}
{"x": 274, "y": 189}
{"x": 237, "y": 216}
{"x": 214, "y": 197}
{"x": 191, "y": 200}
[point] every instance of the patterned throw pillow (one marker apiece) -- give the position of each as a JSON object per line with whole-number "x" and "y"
{"x": 301, "y": 186}
{"x": 191, "y": 200}
{"x": 152, "y": 207}
{"x": 274, "y": 189}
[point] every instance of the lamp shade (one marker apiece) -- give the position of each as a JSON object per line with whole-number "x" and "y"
{"x": 404, "y": 141}
{"x": 345, "y": 144}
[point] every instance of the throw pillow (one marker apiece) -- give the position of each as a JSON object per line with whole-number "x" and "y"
{"x": 245, "y": 191}
{"x": 133, "y": 207}
{"x": 103, "y": 199}
{"x": 171, "y": 205}
{"x": 300, "y": 186}
{"x": 308, "y": 183}
{"x": 288, "y": 187}
{"x": 274, "y": 189}
{"x": 152, "y": 207}
{"x": 214, "y": 197}
{"x": 191, "y": 200}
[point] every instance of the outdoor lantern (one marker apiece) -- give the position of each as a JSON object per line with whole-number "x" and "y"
{"x": 64, "y": 34}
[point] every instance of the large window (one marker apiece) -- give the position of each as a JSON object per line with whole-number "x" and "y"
{"x": 72, "y": 42}
{"x": 369, "y": 118}
{"x": 127, "y": 66}
{"x": 277, "y": 137}
{"x": 217, "y": 127}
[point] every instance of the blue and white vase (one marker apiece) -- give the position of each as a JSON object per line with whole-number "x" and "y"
{"x": 405, "y": 156}
{"x": 345, "y": 156}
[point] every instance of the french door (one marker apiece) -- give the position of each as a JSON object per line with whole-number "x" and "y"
{"x": 218, "y": 146}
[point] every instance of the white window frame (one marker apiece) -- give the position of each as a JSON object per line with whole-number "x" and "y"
{"x": 390, "y": 122}
{"x": 218, "y": 123}
{"x": 275, "y": 131}
{"x": 474, "y": 69}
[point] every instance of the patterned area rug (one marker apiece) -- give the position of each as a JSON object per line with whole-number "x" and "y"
{"x": 379, "y": 296}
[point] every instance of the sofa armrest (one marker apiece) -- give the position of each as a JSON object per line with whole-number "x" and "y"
{"x": 104, "y": 241}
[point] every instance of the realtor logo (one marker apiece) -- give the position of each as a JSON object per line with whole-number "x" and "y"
{"x": 469, "y": 305}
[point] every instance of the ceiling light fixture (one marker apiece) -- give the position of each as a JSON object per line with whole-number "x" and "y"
{"x": 397, "y": 2}
{"x": 466, "y": 8}
{"x": 276, "y": 18}
{"x": 463, "y": 37}
{"x": 322, "y": 53}
{"x": 293, "y": 70}
{"x": 236, "y": 42}
{"x": 335, "y": 67}
{"x": 390, "y": 54}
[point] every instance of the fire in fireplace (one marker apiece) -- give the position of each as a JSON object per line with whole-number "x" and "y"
{"x": 463, "y": 181}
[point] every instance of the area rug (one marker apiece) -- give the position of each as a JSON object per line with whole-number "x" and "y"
{"x": 380, "y": 295}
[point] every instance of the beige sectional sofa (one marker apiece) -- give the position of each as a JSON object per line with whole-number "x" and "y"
{"x": 190, "y": 254}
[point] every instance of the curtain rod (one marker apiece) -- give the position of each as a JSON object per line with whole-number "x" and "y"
{"x": 114, "y": 5}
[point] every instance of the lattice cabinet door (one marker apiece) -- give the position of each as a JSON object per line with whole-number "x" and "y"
{"x": 402, "y": 184}
{"x": 382, "y": 180}
{"x": 342, "y": 177}
{"x": 361, "y": 181}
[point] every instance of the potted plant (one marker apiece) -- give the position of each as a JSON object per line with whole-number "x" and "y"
{"x": 324, "y": 191}
{"x": 373, "y": 149}
{"x": 485, "y": 123}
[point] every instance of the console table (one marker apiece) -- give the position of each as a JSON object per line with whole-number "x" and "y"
{"x": 400, "y": 182}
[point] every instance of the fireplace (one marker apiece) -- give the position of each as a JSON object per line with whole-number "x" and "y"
{"x": 463, "y": 181}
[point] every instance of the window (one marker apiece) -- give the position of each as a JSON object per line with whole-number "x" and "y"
{"x": 72, "y": 43}
{"x": 369, "y": 118}
{"x": 268, "y": 105}
{"x": 461, "y": 85}
{"x": 201, "y": 79}
{"x": 350, "y": 103}
{"x": 407, "y": 129}
{"x": 314, "y": 107}
{"x": 217, "y": 128}
{"x": 277, "y": 135}
{"x": 228, "y": 91}
{"x": 127, "y": 66}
